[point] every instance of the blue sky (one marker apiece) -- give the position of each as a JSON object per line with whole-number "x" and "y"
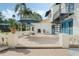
{"x": 8, "y": 8}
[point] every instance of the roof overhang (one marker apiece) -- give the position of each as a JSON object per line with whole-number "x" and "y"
{"x": 47, "y": 13}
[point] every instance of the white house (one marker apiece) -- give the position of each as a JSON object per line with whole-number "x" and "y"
{"x": 67, "y": 15}
{"x": 43, "y": 27}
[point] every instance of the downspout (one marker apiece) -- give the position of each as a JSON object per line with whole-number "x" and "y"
{"x": 60, "y": 17}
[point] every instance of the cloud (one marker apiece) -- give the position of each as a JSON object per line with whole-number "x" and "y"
{"x": 8, "y": 13}
{"x": 41, "y": 12}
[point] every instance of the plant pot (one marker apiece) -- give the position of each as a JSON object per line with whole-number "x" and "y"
{"x": 13, "y": 30}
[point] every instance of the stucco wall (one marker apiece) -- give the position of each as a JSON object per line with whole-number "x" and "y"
{"x": 76, "y": 23}
{"x": 63, "y": 8}
{"x": 42, "y": 26}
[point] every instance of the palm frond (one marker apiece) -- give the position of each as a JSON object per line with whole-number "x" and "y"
{"x": 16, "y": 7}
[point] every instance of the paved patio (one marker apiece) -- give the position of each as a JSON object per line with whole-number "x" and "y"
{"x": 35, "y": 52}
{"x": 38, "y": 41}
{"x": 21, "y": 40}
{"x": 41, "y": 52}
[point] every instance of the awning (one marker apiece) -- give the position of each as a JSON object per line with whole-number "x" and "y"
{"x": 47, "y": 13}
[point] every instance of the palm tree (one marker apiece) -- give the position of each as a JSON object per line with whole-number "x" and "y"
{"x": 23, "y": 12}
{"x": 36, "y": 16}
{"x": 1, "y": 19}
{"x": 21, "y": 8}
{"x": 27, "y": 13}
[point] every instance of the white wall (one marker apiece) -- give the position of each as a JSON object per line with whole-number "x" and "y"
{"x": 42, "y": 26}
{"x": 63, "y": 8}
{"x": 76, "y": 24}
{"x": 56, "y": 11}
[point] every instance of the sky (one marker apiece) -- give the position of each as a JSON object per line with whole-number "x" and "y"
{"x": 7, "y": 9}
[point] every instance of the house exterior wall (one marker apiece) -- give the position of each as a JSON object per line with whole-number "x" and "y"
{"x": 70, "y": 30}
{"x": 67, "y": 26}
{"x": 63, "y": 8}
{"x": 76, "y": 23}
{"x": 67, "y": 7}
{"x": 51, "y": 17}
{"x": 73, "y": 39}
{"x": 42, "y": 27}
{"x": 75, "y": 18}
{"x": 56, "y": 11}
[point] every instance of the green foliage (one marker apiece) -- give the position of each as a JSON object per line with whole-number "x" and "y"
{"x": 36, "y": 16}
{"x": 1, "y": 20}
{"x": 21, "y": 7}
{"x": 19, "y": 26}
{"x": 11, "y": 22}
{"x": 5, "y": 21}
{"x": 25, "y": 13}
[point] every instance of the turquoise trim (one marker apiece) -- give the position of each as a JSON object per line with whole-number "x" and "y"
{"x": 67, "y": 26}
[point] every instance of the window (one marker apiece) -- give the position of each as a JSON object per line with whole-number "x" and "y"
{"x": 67, "y": 26}
{"x": 53, "y": 29}
{"x": 71, "y": 27}
{"x": 39, "y": 30}
{"x": 32, "y": 28}
{"x": 27, "y": 28}
{"x": 70, "y": 7}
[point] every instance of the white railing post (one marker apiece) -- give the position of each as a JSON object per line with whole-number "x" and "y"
{"x": 60, "y": 40}
{"x": 64, "y": 40}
